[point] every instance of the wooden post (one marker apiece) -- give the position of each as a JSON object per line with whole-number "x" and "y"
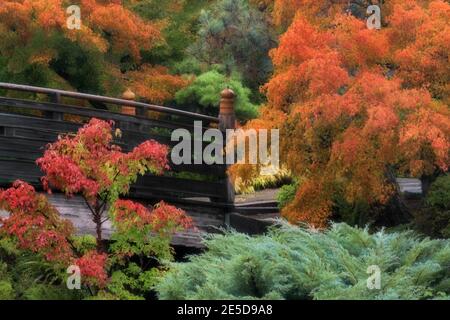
{"x": 227, "y": 117}
{"x": 7, "y": 132}
{"x": 128, "y": 95}
{"x": 227, "y": 120}
{"x": 55, "y": 98}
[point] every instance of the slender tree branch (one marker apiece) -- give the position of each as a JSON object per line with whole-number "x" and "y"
{"x": 104, "y": 220}
{"x": 89, "y": 206}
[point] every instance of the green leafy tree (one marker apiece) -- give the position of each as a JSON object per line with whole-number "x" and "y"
{"x": 287, "y": 194}
{"x": 141, "y": 249}
{"x": 434, "y": 218}
{"x": 180, "y": 20}
{"x": 439, "y": 193}
{"x": 204, "y": 91}
{"x": 238, "y": 36}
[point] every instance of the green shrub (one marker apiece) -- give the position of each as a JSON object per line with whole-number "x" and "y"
{"x": 286, "y": 194}
{"x": 205, "y": 91}
{"x": 433, "y": 223}
{"x": 262, "y": 182}
{"x": 295, "y": 263}
{"x": 359, "y": 213}
{"x": 6, "y": 289}
{"x": 27, "y": 276}
{"x": 434, "y": 219}
{"x": 438, "y": 196}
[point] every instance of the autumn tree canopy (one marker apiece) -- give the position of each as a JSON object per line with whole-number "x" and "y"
{"x": 89, "y": 164}
{"x": 354, "y": 104}
{"x": 38, "y": 48}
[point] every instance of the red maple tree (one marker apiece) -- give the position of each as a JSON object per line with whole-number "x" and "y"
{"x": 87, "y": 163}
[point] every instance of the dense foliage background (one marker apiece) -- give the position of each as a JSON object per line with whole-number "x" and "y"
{"x": 356, "y": 108}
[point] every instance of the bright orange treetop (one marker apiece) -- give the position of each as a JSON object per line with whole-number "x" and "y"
{"x": 358, "y": 105}
{"x": 105, "y": 24}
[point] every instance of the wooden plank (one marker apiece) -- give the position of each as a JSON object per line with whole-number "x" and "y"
{"x": 260, "y": 203}
{"x": 28, "y": 123}
{"x": 208, "y": 172}
{"x": 126, "y": 121}
{"x": 179, "y": 186}
{"x": 21, "y": 149}
{"x": 18, "y": 155}
{"x": 216, "y": 171}
{"x": 49, "y": 125}
{"x": 17, "y": 152}
{"x": 249, "y": 211}
{"x": 132, "y": 139}
{"x": 32, "y": 129}
{"x": 22, "y": 144}
{"x": 147, "y": 186}
{"x": 407, "y": 185}
{"x": 250, "y": 225}
{"x": 21, "y": 121}
{"x": 12, "y": 170}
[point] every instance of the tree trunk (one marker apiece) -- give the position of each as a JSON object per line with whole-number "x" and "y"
{"x": 98, "y": 229}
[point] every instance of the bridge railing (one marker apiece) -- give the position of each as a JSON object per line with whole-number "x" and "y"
{"x": 27, "y": 125}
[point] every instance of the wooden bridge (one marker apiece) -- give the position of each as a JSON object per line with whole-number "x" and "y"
{"x": 204, "y": 191}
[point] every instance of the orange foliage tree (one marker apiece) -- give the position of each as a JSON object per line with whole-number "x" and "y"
{"x": 107, "y": 25}
{"x": 155, "y": 84}
{"x": 354, "y": 105}
{"x": 319, "y": 11}
{"x": 30, "y": 29}
{"x": 421, "y": 36}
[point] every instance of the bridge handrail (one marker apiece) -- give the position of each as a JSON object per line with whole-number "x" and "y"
{"x": 115, "y": 101}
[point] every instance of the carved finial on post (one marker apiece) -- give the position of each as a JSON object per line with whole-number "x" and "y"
{"x": 129, "y": 95}
{"x": 227, "y": 117}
